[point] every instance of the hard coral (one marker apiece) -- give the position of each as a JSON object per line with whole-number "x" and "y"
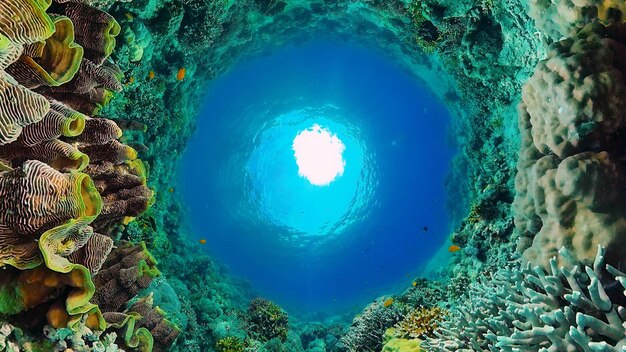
{"x": 265, "y": 321}
{"x": 421, "y": 322}
{"x": 128, "y": 270}
{"x": 37, "y": 198}
{"x": 559, "y": 19}
{"x": 570, "y": 179}
{"x": 367, "y": 329}
{"x": 568, "y": 308}
{"x": 230, "y": 344}
{"x": 52, "y": 62}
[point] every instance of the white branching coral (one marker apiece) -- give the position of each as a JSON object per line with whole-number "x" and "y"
{"x": 571, "y": 308}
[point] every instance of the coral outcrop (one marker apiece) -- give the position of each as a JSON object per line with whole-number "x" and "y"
{"x": 128, "y": 270}
{"x": 570, "y": 178}
{"x": 420, "y": 322}
{"x": 56, "y": 70}
{"x": 569, "y": 308}
{"x": 266, "y": 321}
{"x": 558, "y": 19}
{"x": 367, "y": 329}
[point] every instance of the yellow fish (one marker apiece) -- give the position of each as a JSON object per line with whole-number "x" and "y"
{"x": 203, "y": 241}
{"x": 388, "y": 302}
{"x": 414, "y": 284}
{"x": 151, "y": 75}
{"x": 171, "y": 189}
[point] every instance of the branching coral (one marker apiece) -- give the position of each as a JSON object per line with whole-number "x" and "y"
{"x": 568, "y": 308}
{"x": 265, "y": 321}
{"x": 230, "y": 344}
{"x": 367, "y": 329}
{"x": 420, "y": 322}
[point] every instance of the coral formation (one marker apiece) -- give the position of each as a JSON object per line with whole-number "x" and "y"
{"x": 420, "y": 322}
{"x": 574, "y": 307}
{"x": 48, "y": 206}
{"x": 128, "y": 270}
{"x": 367, "y": 329}
{"x": 569, "y": 179}
{"x": 266, "y": 321}
{"x": 230, "y": 344}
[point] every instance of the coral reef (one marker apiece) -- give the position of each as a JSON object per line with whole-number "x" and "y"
{"x": 55, "y": 64}
{"x": 420, "y": 322}
{"x": 574, "y": 307}
{"x": 265, "y": 321}
{"x": 367, "y": 329}
{"x": 570, "y": 180}
{"x": 75, "y": 159}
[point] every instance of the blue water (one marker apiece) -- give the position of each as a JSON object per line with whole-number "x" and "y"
{"x": 310, "y": 247}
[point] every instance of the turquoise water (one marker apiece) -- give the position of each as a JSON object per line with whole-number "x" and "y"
{"x": 316, "y": 247}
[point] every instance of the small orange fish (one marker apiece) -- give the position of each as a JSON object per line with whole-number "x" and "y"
{"x": 181, "y": 73}
{"x": 151, "y": 75}
{"x": 414, "y": 284}
{"x": 131, "y": 80}
{"x": 203, "y": 241}
{"x": 454, "y": 248}
{"x": 388, "y": 302}
{"x": 171, "y": 189}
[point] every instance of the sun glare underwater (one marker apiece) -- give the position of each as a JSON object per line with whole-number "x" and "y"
{"x": 317, "y": 173}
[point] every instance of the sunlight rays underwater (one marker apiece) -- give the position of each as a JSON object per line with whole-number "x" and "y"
{"x": 334, "y": 244}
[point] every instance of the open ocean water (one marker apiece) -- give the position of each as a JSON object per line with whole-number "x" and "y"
{"x": 312, "y": 247}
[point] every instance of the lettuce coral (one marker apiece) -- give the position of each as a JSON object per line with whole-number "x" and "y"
{"x": 53, "y": 67}
{"x": 46, "y": 198}
{"x": 52, "y": 62}
{"x": 128, "y": 269}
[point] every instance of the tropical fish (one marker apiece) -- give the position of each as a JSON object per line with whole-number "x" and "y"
{"x": 454, "y": 248}
{"x": 171, "y": 189}
{"x": 388, "y": 302}
{"x": 129, "y": 16}
{"x": 203, "y": 241}
{"x": 151, "y": 75}
{"x": 181, "y": 73}
{"x": 414, "y": 284}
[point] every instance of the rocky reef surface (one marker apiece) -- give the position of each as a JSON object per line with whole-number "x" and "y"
{"x": 98, "y": 98}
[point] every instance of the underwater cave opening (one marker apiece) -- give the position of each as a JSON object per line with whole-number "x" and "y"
{"x": 319, "y": 233}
